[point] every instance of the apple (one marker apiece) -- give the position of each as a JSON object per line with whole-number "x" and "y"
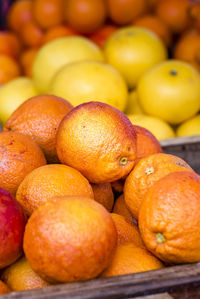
{"x": 12, "y": 224}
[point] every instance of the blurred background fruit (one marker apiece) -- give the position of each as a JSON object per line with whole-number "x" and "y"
{"x": 57, "y": 53}
{"x": 174, "y": 87}
{"x": 132, "y": 51}
{"x": 131, "y": 36}
{"x": 96, "y": 81}
{"x": 14, "y": 93}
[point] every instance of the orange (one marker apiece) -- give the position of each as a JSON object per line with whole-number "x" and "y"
{"x": 9, "y": 44}
{"x": 157, "y": 25}
{"x": 85, "y": 16}
{"x": 169, "y": 218}
{"x": 31, "y": 34}
{"x": 26, "y": 59}
{"x": 126, "y": 232}
{"x": 39, "y": 118}
{"x": 19, "y": 155}
{"x": 118, "y": 186}
{"x": 194, "y": 14}
{"x": 174, "y": 14}
{"x": 48, "y": 13}
{"x": 147, "y": 143}
{"x": 129, "y": 258}
{"x": 9, "y": 69}
{"x": 19, "y": 14}
{"x": 20, "y": 277}
{"x": 4, "y": 288}
{"x": 187, "y": 48}
{"x": 123, "y": 12}
{"x": 100, "y": 36}
{"x": 80, "y": 236}
{"x": 50, "y": 180}
{"x": 98, "y": 140}
{"x": 103, "y": 194}
{"x": 120, "y": 208}
{"x": 146, "y": 172}
{"x": 56, "y": 32}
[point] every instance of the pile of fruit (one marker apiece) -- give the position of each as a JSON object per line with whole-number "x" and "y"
{"x": 140, "y": 56}
{"x": 86, "y": 194}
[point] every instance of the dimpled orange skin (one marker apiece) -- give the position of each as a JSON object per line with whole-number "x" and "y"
{"x": 169, "y": 218}
{"x": 4, "y": 288}
{"x": 39, "y": 117}
{"x": 80, "y": 236}
{"x": 103, "y": 194}
{"x": 19, "y": 276}
{"x": 147, "y": 144}
{"x": 146, "y": 172}
{"x": 127, "y": 232}
{"x": 48, "y": 181}
{"x": 120, "y": 208}
{"x": 129, "y": 258}
{"x": 98, "y": 140}
{"x": 19, "y": 155}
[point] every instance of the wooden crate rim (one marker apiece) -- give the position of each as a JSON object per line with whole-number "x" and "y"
{"x": 180, "y": 141}
{"x": 124, "y": 286}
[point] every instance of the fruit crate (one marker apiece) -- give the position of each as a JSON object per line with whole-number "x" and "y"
{"x": 181, "y": 281}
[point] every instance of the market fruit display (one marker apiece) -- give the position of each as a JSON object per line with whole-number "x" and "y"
{"x": 86, "y": 189}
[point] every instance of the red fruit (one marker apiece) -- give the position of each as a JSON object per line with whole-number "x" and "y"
{"x": 12, "y": 224}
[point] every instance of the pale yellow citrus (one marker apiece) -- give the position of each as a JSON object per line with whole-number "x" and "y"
{"x": 170, "y": 90}
{"x": 85, "y": 81}
{"x": 132, "y": 50}
{"x": 158, "y": 127}
{"x": 57, "y": 53}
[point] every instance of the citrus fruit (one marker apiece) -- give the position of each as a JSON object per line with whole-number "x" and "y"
{"x": 187, "y": 48}
{"x": 41, "y": 185}
{"x": 80, "y": 236}
{"x": 39, "y": 118}
{"x": 26, "y": 60}
{"x": 4, "y": 288}
{"x": 82, "y": 81}
{"x": 120, "y": 208}
{"x": 129, "y": 258}
{"x": 57, "y": 53}
{"x": 174, "y": 13}
{"x": 122, "y": 12}
{"x": 157, "y": 25}
{"x": 20, "y": 277}
{"x": 118, "y": 186}
{"x": 147, "y": 144}
{"x": 133, "y": 105}
{"x": 169, "y": 218}
{"x": 174, "y": 87}
{"x": 126, "y": 232}
{"x": 48, "y": 13}
{"x": 132, "y": 50}
{"x": 158, "y": 127}
{"x": 85, "y": 16}
{"x": 9, "y": 69}
{"x": 31, "y": 34}
{"x": 100, "y": 36}
{"x": 190, "y": 127}
{"x": 20, "y": 12}
{"x": 13, "y": 94}
{"x": 10, "y": 44}
{"x": 103, "y": 194}
{"x": 146, "y": 172}
{"x": 13, "y": 223}
{"x": 19, "y": 155}
{"x": 56, "y": 32}
{"x": 98, "y": 140}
